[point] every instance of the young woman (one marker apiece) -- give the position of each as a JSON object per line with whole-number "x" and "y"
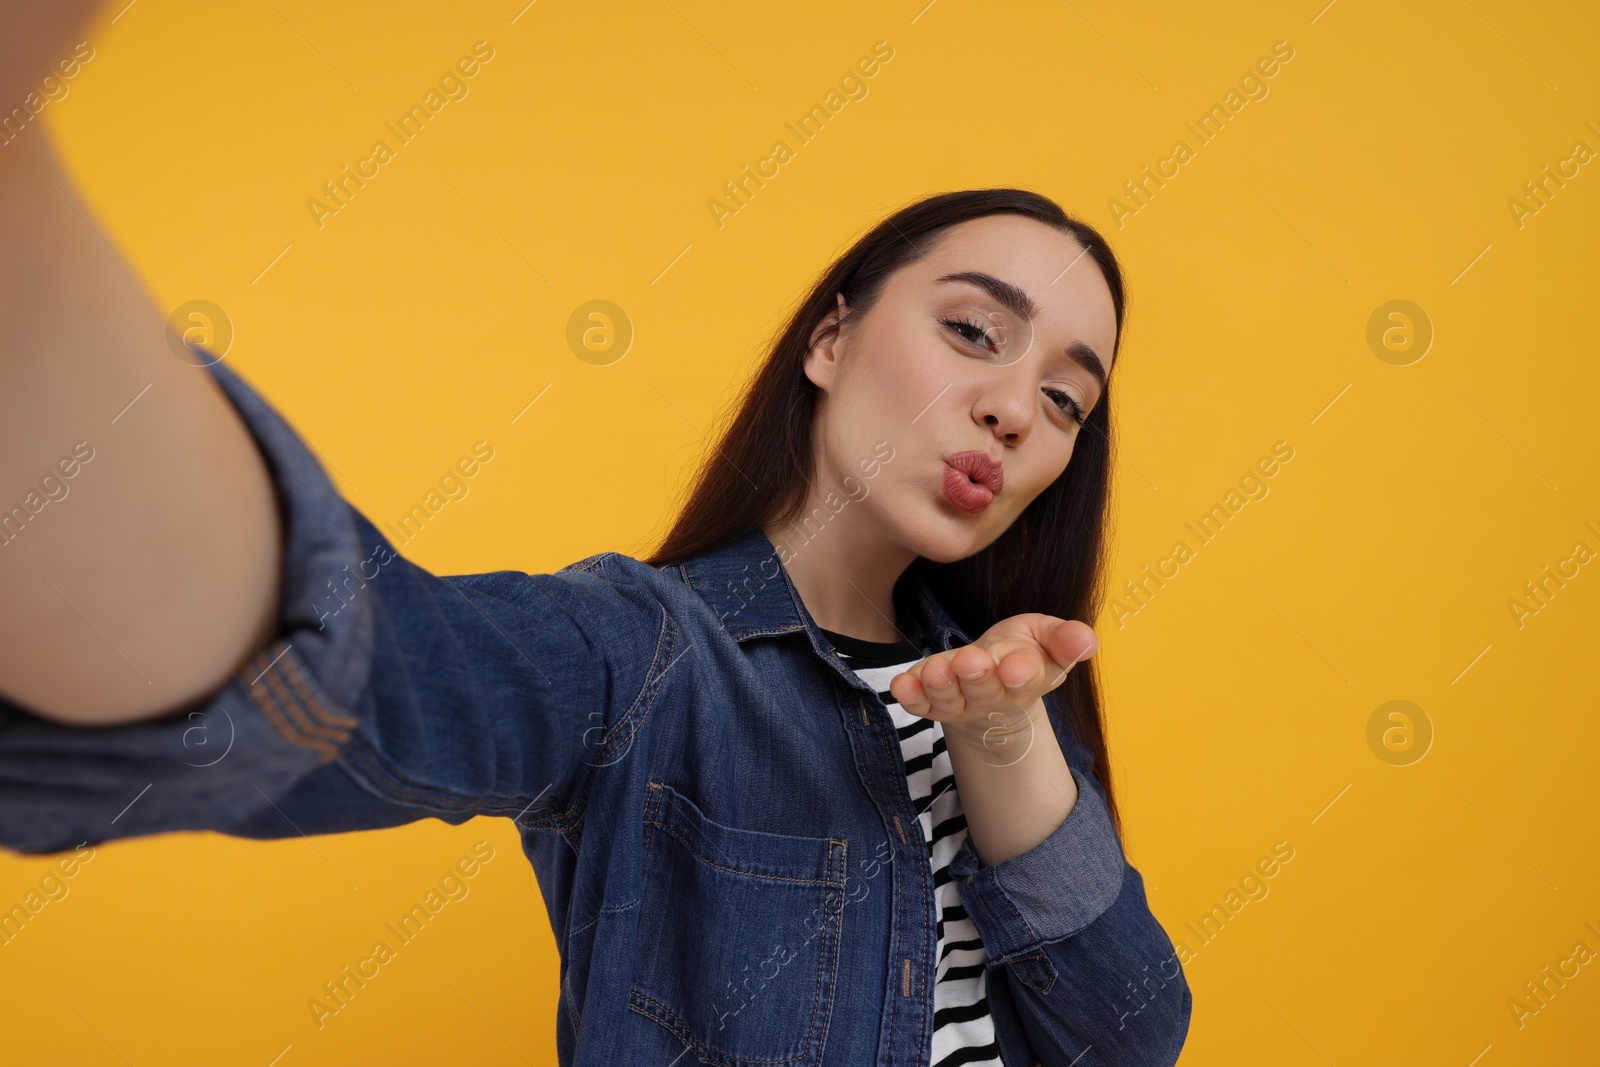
{"x": 814, "y": 784}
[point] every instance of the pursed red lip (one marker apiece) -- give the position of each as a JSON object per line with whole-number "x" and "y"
{"x": 971, "y": 480}
{"x": 980, "y": 467}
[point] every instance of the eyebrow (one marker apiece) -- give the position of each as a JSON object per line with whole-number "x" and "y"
{"x": 1018, "y": 302}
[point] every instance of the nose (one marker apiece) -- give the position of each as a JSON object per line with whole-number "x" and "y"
{"x": 1006, "y": 402}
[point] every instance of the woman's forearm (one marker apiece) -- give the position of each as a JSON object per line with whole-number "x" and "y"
{"x": 1011, "y": 802}
{"x": 32, "y": 36}
{"x": 138, "y": 583}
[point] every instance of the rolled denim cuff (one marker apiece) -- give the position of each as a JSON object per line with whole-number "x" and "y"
{"x": 1049, "y": 892}
{"x": 283, "y": 714}
{"x": 322, "y": 546}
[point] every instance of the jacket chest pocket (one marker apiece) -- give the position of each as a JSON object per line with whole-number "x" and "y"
{"x": 738, "y": 936}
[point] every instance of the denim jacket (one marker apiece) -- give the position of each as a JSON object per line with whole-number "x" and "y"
{"x": 714, "y": 805}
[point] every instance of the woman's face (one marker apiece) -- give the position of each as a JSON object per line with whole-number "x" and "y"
{"x": 944, "y": 364}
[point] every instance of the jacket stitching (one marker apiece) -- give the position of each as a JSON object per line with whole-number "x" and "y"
{"x": 341, "y": 723}
{"x": 820, "y": 1010}
{"x": 1049, "y": 979}
{"x": 380, "y": 774}
{"x": 374, "y": 770}
{"x": 600, "y": 913}
{"x": 653, "y": 818}
{"x": 265, "y": 704}
{"x": 666, "y": 1017}
{"x": 770, "y": 631}
{"x": 270, "y": 703}
{"x": 832, "y": 936}
{"x": 1034, "y": 939}
{"x": 297, "y": 712}
{"x": 371, "y": 768}
{"x": 400, "y": 785}
{"x": 823, "y": 953}
{"x": 629, "y": 720}
{"x": 632, "y": 720}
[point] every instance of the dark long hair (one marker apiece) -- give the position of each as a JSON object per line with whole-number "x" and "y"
{"x": 1050, "y": 560}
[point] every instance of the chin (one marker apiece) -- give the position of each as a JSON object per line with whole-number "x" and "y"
{"x": 948, "y": 535}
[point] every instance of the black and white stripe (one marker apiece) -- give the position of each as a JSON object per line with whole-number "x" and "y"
{"x": 963, "y": 1030}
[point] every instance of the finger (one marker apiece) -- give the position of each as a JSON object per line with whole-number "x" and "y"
{"x": 1025, "y": 673}
{"x": 908, "y": 692}
{"x": 911, "y": 691}
{"x": 1047, "y": 676}
{"x": 942, "y": 686}
{"x": 979, "y": 675}
{"x": 1067, "y": 641}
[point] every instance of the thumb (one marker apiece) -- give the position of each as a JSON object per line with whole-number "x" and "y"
{"x": 1067, "y": 641}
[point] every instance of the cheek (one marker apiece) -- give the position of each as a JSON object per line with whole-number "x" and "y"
{"x": 1062, "y": 458}
{"x": 1052, "y": 464}
{"x": 1065, "y": 457}
{"x": 910, "y": 374}
{"x": 888, "y": 398}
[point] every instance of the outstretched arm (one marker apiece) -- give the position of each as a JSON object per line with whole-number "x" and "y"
{"x": 1073, "y": 949}
{"x": 138, "y": 585}
{"x": 197, "y": 632}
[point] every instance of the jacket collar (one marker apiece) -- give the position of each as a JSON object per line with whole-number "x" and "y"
{"x": 747, "y": 588}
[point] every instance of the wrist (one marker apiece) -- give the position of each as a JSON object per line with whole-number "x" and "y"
{"x": 1010, "y": 729}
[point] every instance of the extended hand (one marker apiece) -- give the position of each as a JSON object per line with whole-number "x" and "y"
{"x": 993, "y": 688}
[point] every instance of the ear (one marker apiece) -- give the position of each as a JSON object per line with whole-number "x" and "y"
{"x": 822, "y": 359}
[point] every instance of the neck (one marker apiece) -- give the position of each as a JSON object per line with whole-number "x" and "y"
{"x": 845, "y": 571}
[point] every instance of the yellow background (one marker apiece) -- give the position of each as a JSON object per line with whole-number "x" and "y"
{"x": 428, "y": 312}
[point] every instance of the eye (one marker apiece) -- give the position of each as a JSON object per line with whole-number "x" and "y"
{"x": 971, "y": 332}
{"x": 1070, "y": 406}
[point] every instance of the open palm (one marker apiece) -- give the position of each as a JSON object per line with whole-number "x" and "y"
{"x": 995, "y": 686}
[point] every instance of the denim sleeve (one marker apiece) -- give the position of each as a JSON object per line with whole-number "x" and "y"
{"x": 388, "y": 695}
{"x": 1066, "y": 923}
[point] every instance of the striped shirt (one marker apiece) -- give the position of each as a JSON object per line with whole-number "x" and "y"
{"x": 963, "y": 1031}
